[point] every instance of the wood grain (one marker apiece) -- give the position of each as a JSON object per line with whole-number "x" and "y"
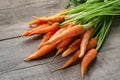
{"x": 14, "y": 15}
{"x": 14, "y": 20}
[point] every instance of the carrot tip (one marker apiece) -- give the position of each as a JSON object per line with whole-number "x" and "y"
{"x": 56, "y": 69}
{"x": 38, "y": 47}
{"x": 45, "y": 43}
{"x": 53, "y": 58}
{"x": 81, "y": 54}
{"x": 82, "y": 76}
{"x": 25, "y": 34}
{"x": 27, "y": 59}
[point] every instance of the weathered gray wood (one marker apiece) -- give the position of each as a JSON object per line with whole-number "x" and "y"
{"x": 14, "y": 20}
{"x": 42, "y": 72}
{"x": 13, "y": 17}
{"x": 12, "y": 53}
{"x": 102, "y": 69}
{"x": 11, "y": 4}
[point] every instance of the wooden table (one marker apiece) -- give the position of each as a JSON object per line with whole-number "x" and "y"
{"x": 14, "y": 15}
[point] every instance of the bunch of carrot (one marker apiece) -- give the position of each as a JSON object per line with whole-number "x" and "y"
{"x": 78, "y": 32}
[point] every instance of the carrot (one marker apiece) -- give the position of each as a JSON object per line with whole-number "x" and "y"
{"x": 61, "y": 11}
{"x": 33, "y": 26}
{"x": 46, "y": 37}
{"x": 61, "y": 30}
{"x": 53, "y": 27}
{"x": 58, "y": 32}
{"x": 34, "y": 29}
{"x": 64, "y": 27}
{"x": 91, "y": 54}
{"x": 36, "y": 25}
{"x": 41, "y": 52}
{"x": 68, "y": 63}
{"x": 70, "y": 32}
{"x": 73, "y": 47}
{"x": 49, "y": 19}
{"x": 84, "y": 42}
{"x": 35, "y": 17}
{"x": 92, "y": 43}
{"x": 56, "y": 18}
{"x": 38, "y": 21}
{"x": 64, "y": 42}
{"x": 58, "y": 52}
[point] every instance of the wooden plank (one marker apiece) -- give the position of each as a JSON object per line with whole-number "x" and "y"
{"x": 11, "y": 4}
{"x": 14, "y": 21}
{"x": 12, "y": 31}
{"x": 15, "y": 50}
{"x": 106, "y": 67}
{"x": 44, "y": 8}
{"x": 4, "y": 4}
{"x": 41, "y": 72}
{"x": 13, "y": 17}
{"x": 7, "y": 18}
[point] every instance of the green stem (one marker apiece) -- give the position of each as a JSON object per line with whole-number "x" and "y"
{"x": 104, "y": 32}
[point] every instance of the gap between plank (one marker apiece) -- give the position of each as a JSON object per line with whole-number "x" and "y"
{"x": 10, "y": 38}
{"x": 29, "y": 67}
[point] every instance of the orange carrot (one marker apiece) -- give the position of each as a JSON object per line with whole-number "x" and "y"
{"x": 35, "y": 29}
{"x": 70, "y": 61}
{"x": 84, "y": 42}
{"x": 53, "y": 27}
{"x": 49, "y": 19}
{"x": 70, "y": 32}
{"x": 56, "y": 18}
{"x": 58, "y": 32}
{"x": 46, "y": 37}
{"x": 58, "y": 52}
{"x": 33, "y": 26}
{"x": 73, "y": 47}
{"x": 92, "y": 43}
{"x": 36, "y": 25}
{"x": 35, "y": 17}
{"x": 64, "y": 42}
{"x": 64, "y": 27}
{"x": 91, "y": 54}
{"x": 38, "y": 21}
{"x": 41, "y": 52}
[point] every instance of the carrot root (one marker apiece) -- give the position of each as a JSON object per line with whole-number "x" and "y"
{"x": 58, "y": 52}
{"x": 91, "y": 54}
{"x": 84, "y": 42}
